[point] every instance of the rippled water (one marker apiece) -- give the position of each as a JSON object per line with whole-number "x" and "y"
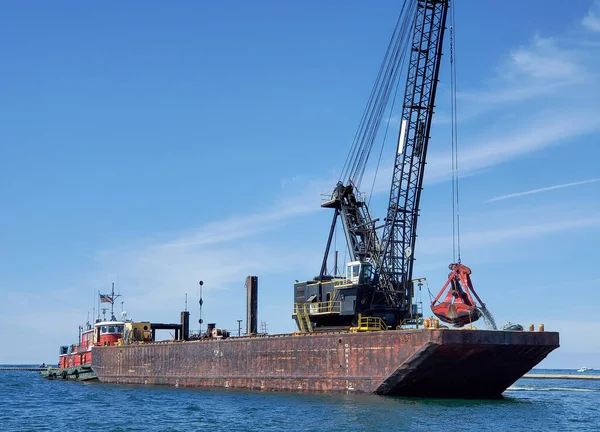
{"x": 30, "y": 403}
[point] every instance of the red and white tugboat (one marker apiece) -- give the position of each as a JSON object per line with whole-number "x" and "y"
{"x": 75, "y": 361}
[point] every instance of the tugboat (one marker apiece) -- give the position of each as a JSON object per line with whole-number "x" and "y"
{"x": 75, "y": 360}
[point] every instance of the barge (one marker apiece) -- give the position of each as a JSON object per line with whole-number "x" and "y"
{"x": 451, "y": 363}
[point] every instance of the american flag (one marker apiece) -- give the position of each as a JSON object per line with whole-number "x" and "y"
{"x": 105, "y": 298}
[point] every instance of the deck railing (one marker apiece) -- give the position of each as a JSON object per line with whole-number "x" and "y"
{"x": 318, "y": 308}
{"x": 369, "y": 324}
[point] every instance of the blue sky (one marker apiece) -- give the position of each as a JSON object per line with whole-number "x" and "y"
{"x": 154, "y": 145}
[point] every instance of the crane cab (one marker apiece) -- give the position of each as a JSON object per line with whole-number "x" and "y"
{"x": 334, "y": 302}
{"x": 359, "y": 273}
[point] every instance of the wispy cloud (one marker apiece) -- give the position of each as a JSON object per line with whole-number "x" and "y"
{"x": 550, "y": 128}
{"x": 221, "y": 252}
{"x": 544, "y": 68}
{"x": 549, "y": 188}
{"x": 592, "y": 19}
{"x": 545, "y": 59}
{"x": 239, "y": 227}
{"x": 155, "y": 277}
{"x": 296, "y": 202}
{"x": 486, "y": 239}
{"x": 558, "y": 71}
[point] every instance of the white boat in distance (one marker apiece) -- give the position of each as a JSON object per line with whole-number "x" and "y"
{"x": 584, "y": 369}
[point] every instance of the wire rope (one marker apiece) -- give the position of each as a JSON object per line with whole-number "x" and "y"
{"x": 386, "y": 81}
{"x": 454, "y": 121}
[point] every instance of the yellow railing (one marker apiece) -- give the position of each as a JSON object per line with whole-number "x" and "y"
{"x": 341, "y": 282}
{"x": 337, "y": 282}
{"x": 304, "y": 311}
{"x": 369, "y": 324}
{"x": 318, "y": 308}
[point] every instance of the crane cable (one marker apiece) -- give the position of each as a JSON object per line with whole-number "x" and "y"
{"x": 383, "y": 141}
{"x": 487, "y": 315}
{"x": 393, "y": 74}
{"x": 391, "y": 71}
{"x": 385, "y": 82}
{"x": 454, "y": 121}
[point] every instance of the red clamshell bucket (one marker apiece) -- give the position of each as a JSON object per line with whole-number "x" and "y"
{"x": 457, "y": 307}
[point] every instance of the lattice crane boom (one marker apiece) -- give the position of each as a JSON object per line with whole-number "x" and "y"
{"x": 400, "y": 228}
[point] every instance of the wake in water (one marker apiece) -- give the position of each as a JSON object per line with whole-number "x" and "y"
{"x": 553, "y": 389}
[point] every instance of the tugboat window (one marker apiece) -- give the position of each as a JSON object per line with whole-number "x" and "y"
{"x": 104, "y": 329}
{"x": 111, "y": 329}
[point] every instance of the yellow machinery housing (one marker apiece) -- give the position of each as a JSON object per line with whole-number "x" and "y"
{"x": 137, "y": 332}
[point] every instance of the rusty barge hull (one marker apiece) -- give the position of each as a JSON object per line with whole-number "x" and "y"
{"x": 420, "y": 362}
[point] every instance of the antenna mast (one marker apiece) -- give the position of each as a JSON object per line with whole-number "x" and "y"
{"x": 200, "y": 303}
{"x": 113, "y": 297}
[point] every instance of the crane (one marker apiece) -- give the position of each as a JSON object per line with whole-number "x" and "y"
{"x": 378, "y": 278}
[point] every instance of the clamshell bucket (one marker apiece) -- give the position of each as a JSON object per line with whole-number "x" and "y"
{"x": 457, "y": 307}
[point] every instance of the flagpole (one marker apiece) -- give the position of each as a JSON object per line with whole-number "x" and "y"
{"x": 112, "y": 303}
{"x": 93, "y": 308}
